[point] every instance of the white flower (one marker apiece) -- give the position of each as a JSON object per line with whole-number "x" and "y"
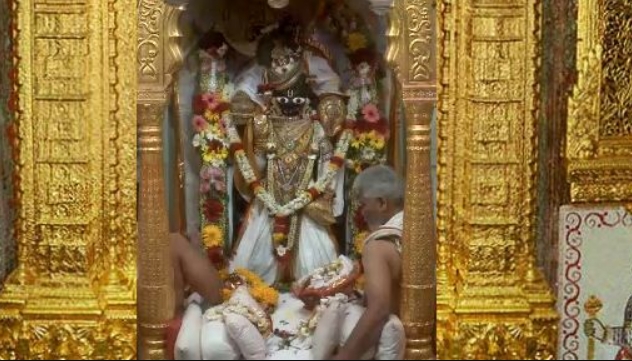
{"x": 198, "y": 140}
{"x": 218, "y": 163}
{"x": 367, "y": 154}
{"x": 212, "y": 136}
{"x": 353, "y": 104}
{"x": 281, "y": 250}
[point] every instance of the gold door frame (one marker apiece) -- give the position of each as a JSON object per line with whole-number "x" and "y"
{"x": 411, "y": 52}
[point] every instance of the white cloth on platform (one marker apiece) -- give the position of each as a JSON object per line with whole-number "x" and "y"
{"x": 215, "y": 343}
{"x": 187, "y": 345}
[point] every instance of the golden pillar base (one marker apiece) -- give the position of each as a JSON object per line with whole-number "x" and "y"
{"x": 47, "y": 323}
{"x": 499, "y": 323}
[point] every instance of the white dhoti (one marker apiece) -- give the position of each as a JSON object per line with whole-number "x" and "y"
{"x": 315, "y": 246}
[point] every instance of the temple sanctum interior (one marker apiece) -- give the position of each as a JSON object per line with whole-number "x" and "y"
{"x": 315, "y": 179}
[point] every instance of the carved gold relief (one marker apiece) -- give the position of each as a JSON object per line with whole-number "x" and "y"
{"x": 73, "y": 294}
{"x": 492, "y": 303}
{"x": 599, "y": 135}
{"x": 616, "y": 87}
{"x": 420, "y": 18}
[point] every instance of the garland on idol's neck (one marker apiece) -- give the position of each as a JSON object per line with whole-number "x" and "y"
{"x": 282, "y": 213}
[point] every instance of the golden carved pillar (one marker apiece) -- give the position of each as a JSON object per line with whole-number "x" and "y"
{"x": 73, "y": 294}
{"x": 155, "y": 275}
{"x": 158, "y": 54}
{"x": 411, "y": 52}
{"x": 492, "y": 301}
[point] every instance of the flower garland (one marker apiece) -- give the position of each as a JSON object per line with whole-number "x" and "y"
{"x": 361, "y": 229}
{"x": 371, "y": 133}
{"x": 210, "y": 110}
{"x": 258, "y": 318}
{"x": 367, "y": 148}
{"x": 369, "y": 144}
{"x": 284, "y": 223}
{"x": 260, "y": 291}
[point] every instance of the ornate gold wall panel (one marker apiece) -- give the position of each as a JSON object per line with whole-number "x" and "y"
{"x": 599, "y": 135}
{"x": 492, "y": 303}
{"x": 74, "y": 292}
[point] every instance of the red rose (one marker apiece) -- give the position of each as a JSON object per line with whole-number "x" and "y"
{"x": 222, "y": 107}
{"x": 216, "y": 256}
{"x": 213, "y": 210}
{"x": 281, "y": 228}
{"x": 362, "y": 127}
{"x": 381, "y": 127}
{"x": 215, "y": 145}
{"x": 285, "y": 259}
{"x": 234, "y": 147}
{"x": 281, "y": 225}
{"x": 199, "y": 105}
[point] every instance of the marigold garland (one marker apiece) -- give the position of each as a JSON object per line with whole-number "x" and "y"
{"x": 259, "y": 290}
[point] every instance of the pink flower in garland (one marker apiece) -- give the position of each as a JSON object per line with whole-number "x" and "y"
{"x": 216, "y": 173}
{"x": 205, "y": 173}
{"x": 205, "y": 187}
{"x": 211, "y": 100}
{"x": 199, "y": 123}
{"x": 211, "y": 173}
{"x": 220, "y": 186}
{"x": 371, "y": 113}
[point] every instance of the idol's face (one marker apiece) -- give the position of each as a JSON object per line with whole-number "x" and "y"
{"x": 284, "y": 61}
{"x": 291, "y": 102}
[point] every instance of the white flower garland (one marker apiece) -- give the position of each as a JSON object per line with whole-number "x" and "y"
{"x": 256, "y": 317}
{"x": 304, "y": 198}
